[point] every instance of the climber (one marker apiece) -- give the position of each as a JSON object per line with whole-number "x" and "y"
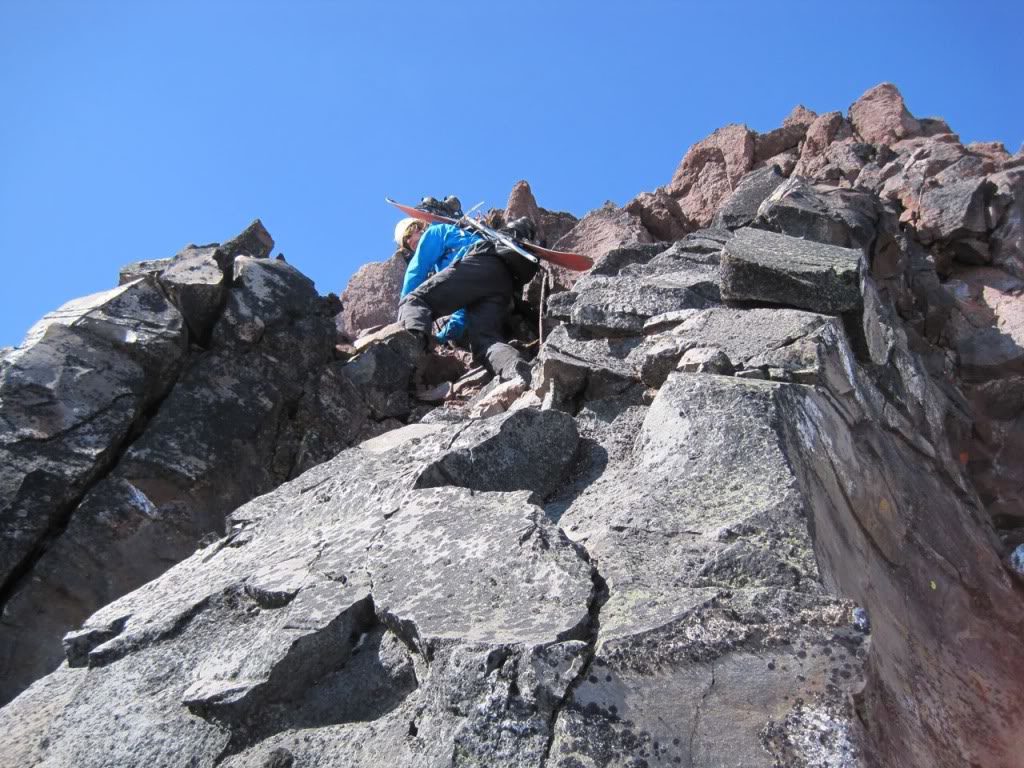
{"x": 423, "y": 265}
{"x": 456, "y": 272}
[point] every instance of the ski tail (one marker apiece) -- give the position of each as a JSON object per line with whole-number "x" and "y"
{"x": 416, "y": 213}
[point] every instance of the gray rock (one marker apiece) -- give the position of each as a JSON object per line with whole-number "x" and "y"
{"x": 695, "y": 574}
{"x": 254, "y": 241}
{"x": 571, "y": 364}
{"x": 740, "y": 208}
{"x": 529, "y": 449}
{"x": 955, "y": 214}
{"x": 705, "y": 360}
{"x": 764, "y": 266}
{"x": 137, "y": 269}
{"x": 246, "y": 415}
{"x": 612, "y": 262}
{"x": 134, "y": 319}
{"x": 823, "y": 214}
{"x": 69, "y": 397}
{"x": 61, "y": 430}
{"x": 308, "y": 608}
{"x": 621, "y": 305}
{"x": 196, "y": 282}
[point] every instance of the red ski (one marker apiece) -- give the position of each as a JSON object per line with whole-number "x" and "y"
{"x": 574, "y": 261}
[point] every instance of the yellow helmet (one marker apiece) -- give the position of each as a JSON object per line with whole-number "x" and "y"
{"x": 401, "y": 228}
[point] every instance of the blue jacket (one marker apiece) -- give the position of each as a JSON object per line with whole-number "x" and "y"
{"x": 440, "y": 246}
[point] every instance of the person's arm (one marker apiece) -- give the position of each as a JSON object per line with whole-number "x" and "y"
{"x": 454, "y": 328}
{"x": 423, "y": 262}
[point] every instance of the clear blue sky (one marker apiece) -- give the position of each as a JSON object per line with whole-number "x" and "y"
{"x": 132, "y": 128}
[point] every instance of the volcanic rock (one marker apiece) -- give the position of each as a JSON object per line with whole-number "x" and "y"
{"x": 740, "y": 208}
{"x": 881, "y": 117}
{"x": 660, "y": 214}
{"x": 149, "y": 458}
{"x": 764, "y": 266}
{"x": 772, "y": 532}
{"x": 710, "y": 170}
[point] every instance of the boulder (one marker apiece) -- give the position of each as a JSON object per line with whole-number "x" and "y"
{"x": 710, "y": 170}
{"x": 840, "y": 163}
{"x": 135, "y": 319}
{"x": 371, "y": 297}
{"x": 880, "y": 117}
{"x": 273, "y": 305}
{"x": 599, "y": 232}
{"x": 987, "y": 327}
{"x": 784, "y": 138}
{"x": 825, "y": 129}
{"x": 196, "y": 281}
{"x": 740, "y": 208}
{"x": 621, "y": 305}
{"x": 603, "y": 230}
{"x": 254, "y": 241}
{"x": 779, "y": 269}
{"x": 820, "y": 213}
{"x": 311, "y": 626}
{"x": 660, "y": 214}
{"x": 264, "y": 402}
{"x": 781, "y": 344}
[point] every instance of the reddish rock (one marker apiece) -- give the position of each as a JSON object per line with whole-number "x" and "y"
{"x": 768, "y": 145}
{"x": 881, "y": 117}
{"x": 521, "y": 202}
{"x": 599, "y": 232}
{"x": 660, "y": 214}
{"x": 800, "y": 115}
{"x": 993, "y": 150}
{"x": 840, "y": 163}
{"x": 371, "y": 297}
{"x": 784, "y": 161}
{"x": 921, "y": 164}
{"x": 551, "y": 225}
{"x": 731, "y": 146}
{"x": 710, "y": 171}
{"x": 825, "y": 129}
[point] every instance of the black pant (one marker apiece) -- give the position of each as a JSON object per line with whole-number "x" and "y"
{"x": 484, "y": 286}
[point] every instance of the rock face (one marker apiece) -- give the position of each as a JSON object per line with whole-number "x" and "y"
{"x": 132, "y": 424}
{"x": 760, "y": 504}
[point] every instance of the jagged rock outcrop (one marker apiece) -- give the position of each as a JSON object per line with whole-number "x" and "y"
{"x": 758, "y": 507}
{"x": 134, "y": 420}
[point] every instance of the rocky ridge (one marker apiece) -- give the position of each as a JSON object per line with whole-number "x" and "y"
{"x": 758, "y": 507}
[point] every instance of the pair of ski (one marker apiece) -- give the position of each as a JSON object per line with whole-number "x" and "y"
{"x": 574, "y": 261}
